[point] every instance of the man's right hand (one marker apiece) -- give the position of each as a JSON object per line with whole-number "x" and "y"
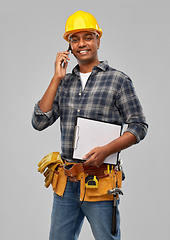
{"x": 61, "y": 64}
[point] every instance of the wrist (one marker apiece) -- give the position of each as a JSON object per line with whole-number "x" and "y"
{"x": 106, "y": 151}
{"x": 56, "y": 79}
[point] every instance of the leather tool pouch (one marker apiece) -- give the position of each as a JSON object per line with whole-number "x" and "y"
{"x": 59, "y": 181}
{"x": 76, "y": 172}
{"x": 111, "y": 181}
{"x": 71, "y": 171}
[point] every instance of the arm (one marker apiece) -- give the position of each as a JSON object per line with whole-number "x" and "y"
{"x": 47, "y": 100}
{"x": 131, "y": 113}
{"x": 43, "y": 115}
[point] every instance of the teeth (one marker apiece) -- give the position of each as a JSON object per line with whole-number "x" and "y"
{"x": 83, "y": 51}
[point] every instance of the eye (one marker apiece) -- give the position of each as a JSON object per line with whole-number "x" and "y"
{"x": 88, "y": 38}
{"x": 74, "y": 40}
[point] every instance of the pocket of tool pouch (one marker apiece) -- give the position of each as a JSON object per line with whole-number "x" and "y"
{"x": 55, "y": 179}
{"x": 105, "y": 184}
{"x": 59, "y": 182}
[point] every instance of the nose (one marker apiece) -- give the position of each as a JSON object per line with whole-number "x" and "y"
{"x": 82, "y": 42}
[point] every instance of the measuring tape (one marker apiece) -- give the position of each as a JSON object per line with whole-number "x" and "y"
{"x": 91, "y": 181}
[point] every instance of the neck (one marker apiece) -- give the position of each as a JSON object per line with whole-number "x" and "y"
{"x": 87, "y": 67}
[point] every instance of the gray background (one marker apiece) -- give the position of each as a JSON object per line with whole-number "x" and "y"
{"x": 136, "y": 40}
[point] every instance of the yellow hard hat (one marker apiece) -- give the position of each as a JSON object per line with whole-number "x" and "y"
{"x": 81, "y": 21}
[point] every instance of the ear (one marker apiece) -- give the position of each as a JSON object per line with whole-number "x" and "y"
{"x": 98, "y": 43}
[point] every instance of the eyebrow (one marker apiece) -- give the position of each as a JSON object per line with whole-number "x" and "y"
{"x": 86, "y": 34}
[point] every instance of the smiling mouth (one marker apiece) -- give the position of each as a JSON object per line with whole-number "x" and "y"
{"x": 83, "y": 51}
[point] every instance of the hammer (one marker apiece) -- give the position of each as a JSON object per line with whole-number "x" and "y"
{"x": 114, "y": 191}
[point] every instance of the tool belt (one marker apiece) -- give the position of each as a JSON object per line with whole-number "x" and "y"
{"x": 105, "y": 177}
{"x": 72, "y": 171}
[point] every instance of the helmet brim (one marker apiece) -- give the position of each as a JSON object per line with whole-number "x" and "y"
{"x": 66, "y": 34}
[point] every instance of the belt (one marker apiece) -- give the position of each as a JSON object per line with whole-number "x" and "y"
{"x": 71, "y": 169}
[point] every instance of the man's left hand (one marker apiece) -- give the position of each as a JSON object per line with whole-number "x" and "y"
{"x": 96, "y": 156}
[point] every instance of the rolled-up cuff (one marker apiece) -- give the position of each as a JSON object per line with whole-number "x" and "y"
{"x": 38, "y": 111}
{"x": 138, "y": 131}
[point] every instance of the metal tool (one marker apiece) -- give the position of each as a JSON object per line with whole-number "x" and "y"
{"x": 115, "y": 192}
{"x": 120, "y": 164}
{"x": 120, "y": 168}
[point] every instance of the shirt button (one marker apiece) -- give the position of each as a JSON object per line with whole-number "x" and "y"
{"x": 78, "y": 110}
{"x": 80, "y": 94}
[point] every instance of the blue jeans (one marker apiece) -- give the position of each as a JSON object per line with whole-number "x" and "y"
{"x": 67, "y": 216}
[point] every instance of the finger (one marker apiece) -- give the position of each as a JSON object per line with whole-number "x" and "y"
{"x": 46, "y": 172}
{"x": 45, "y": 159}
{"x": 88, "y": 154}
{"x": 62, "y": 61}
{"x": 89, "y": 157}
{"x": 90, "y": 161}
{"x": 42, "y": 167}
{"x": 47, "y": 183}
{"x": 48, "y": 180}
{"x": 65, "y": 65}
{"x": 41, "y": 162}
{"x": 63, "y": 54}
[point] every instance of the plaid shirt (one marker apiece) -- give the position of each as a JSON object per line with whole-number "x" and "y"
{"x": 108, "y": 96}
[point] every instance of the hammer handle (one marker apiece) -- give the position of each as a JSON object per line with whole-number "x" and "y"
{"x": 113, "y": 231}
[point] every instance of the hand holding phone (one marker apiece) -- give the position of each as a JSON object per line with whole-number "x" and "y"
{"x": 61, "y": 64}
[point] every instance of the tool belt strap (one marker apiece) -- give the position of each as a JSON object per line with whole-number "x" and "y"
{"x": 99, "y": 172}
{"x": 71, "y": 170}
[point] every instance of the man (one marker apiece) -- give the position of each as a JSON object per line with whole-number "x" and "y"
{"x": 93, "y": 90}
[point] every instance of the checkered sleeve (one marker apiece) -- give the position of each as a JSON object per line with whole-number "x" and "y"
{"x": 41, "y": 120}
{"x": 131, "y": 110}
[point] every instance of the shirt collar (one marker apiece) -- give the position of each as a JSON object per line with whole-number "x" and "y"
{"x": 102, "y": 66}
